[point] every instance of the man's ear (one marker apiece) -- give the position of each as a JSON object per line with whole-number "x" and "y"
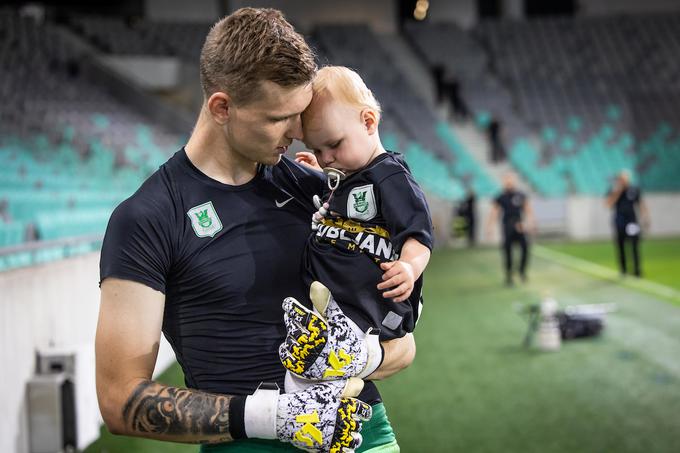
{"x": 370, "y": 119}
{"x": 218, "y": 106}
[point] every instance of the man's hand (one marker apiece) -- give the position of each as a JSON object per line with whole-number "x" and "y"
{"x": 399, "y": 276}
{"x": 308, "y": 160}
{"x": 324, "y": 417}
{"x": 324, "y": 344}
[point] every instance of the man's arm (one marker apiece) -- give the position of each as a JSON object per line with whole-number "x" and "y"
{"x": 128, "y": 335}
{"x": 530, "y": 218}
{"x": 398, "y": 354}
{"x": 491, "y": 219}
{"x": 613, "y": 195}
{"x": 132, "y": 404}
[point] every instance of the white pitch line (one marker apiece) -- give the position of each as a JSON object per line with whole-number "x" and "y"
{"x": 597, "y": 270}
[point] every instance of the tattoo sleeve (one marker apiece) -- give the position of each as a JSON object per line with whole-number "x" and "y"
{"x": 176, "y": 414}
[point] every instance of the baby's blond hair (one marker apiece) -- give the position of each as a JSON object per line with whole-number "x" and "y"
{"x": 345, "y": 85}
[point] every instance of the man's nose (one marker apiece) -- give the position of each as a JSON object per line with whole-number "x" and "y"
{"x": 295, "y": 128}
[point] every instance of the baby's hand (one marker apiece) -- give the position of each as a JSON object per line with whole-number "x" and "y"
{"x": 307, "y": 159}
{"x": 320, "y": 214}
{"x": 400, "y": 277}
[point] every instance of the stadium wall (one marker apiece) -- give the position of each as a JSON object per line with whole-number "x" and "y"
{"x": 588, "y": 217}
{"x": 51, "y": 307}
{"x": 583, "y": 218}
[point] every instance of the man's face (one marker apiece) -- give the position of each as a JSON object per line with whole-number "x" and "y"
{"x": 509, "y": 181}
{"x": 261, "y": 130}
{"x": 337, "y": 134}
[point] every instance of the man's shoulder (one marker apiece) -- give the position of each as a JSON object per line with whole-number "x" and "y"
{"x": 155, "y": 197}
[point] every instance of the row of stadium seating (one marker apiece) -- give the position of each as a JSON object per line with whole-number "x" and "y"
{"x": 421, "y": 124}
{"x": 118, "y": 36}
{"x": 576, "y": 100}
{"x": 423, "y": 129}
{"x": 69, "y": 152}
{"x": 63, "y": 195}
{"x": 591, "y": 165}
{"x": 152, "y": 38}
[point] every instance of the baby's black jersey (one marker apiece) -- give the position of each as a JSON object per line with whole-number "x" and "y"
{"x": 225, "y": 257}
{"x": 374, "y": 211}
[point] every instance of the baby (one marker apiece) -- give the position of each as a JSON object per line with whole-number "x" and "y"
{"x": 374, "y": 241}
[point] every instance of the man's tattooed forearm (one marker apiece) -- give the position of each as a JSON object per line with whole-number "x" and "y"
{"x": 192, "y": 415}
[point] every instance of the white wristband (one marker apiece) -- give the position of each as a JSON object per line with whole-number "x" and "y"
{"x": 374, "y": 351}
{"x": 374, "y": 354}
{"x": 259, "y": 415}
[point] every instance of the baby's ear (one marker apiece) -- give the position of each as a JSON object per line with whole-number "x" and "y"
{"x": 370, "y": 118}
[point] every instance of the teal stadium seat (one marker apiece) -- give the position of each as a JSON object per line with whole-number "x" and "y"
{"x": 464, "y": 165}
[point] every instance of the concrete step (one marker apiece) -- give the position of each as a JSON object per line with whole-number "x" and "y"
{"x": 477, "y": 144}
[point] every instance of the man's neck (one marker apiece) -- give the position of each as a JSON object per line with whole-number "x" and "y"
{"x": 208, "y": 150}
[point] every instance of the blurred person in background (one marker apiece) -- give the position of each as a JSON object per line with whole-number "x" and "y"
{"x": 467, "y": 211}
{"x": 494, "y": 133}
{"x": 626, "y": 200}
{"x": 516, "y": 222}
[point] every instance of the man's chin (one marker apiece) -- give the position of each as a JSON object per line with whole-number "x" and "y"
{"x": 272, "y": 160}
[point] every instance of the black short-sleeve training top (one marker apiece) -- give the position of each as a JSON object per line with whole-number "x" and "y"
{"x": 225, "y": 257}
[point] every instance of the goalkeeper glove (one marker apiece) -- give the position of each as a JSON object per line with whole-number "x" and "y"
{"x": 325, "y": 344}
{"x": 324, "y": 417}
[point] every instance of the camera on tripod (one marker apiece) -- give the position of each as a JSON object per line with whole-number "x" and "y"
{"x": 549, "y": 325}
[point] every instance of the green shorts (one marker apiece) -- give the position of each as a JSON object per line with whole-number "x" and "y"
{"x": 377, "y": 433}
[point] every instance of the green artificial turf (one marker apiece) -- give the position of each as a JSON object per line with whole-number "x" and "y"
{"x": 473, "y": 388}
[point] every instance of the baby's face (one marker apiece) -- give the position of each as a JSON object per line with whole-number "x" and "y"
{"x": 337, "y": 135}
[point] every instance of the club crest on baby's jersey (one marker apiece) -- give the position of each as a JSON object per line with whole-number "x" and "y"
{"x": 361, "y": 203}
{"x": 204, "y": 220}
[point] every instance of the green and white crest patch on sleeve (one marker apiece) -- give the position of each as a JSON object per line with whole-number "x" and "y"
{"x": 204, "y": 220}
{"x": 361, "y": 203}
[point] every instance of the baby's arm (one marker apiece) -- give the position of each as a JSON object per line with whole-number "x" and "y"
{"x": 307, "y": 159}
{"x": 401, "y": 275}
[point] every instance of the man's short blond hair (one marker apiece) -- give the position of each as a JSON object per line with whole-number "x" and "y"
{"x": 345, "y": 85}
{"x": 252, "y": 45}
